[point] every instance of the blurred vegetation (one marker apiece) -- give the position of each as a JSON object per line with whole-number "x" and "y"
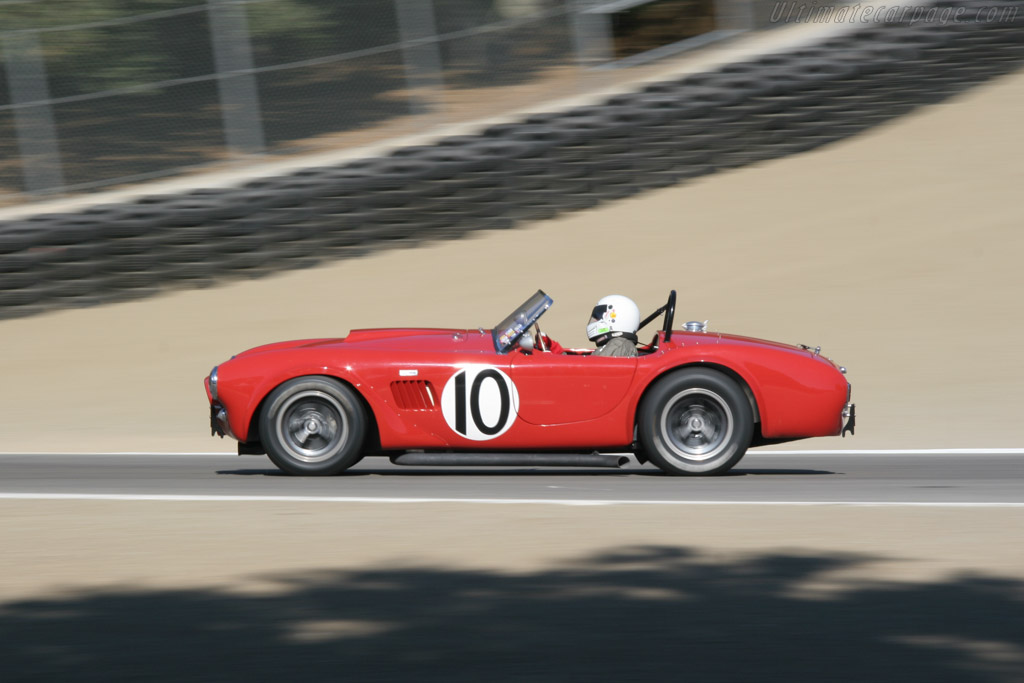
{"x": 89, "y": 47}
{"x": 150, "y": 65}
{"x": 112, "y": 44}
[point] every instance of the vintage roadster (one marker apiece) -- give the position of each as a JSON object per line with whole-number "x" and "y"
{"x": 691, "y": 402}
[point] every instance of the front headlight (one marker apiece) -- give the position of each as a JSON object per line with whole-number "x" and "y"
{"x": 213, "y": 383}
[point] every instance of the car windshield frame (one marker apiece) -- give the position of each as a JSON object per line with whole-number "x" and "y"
{"x": 506, "y": 333}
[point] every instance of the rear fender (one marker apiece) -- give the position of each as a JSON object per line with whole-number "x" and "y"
{"x": 737, "y": 377}
{"x": 794, "y": 393}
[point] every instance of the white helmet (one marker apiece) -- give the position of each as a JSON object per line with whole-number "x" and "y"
{"x": 613, "y": 316}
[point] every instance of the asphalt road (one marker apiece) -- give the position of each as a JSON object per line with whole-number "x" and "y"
{"x": 923, "y": 478}
{"x": 141, "y": 586}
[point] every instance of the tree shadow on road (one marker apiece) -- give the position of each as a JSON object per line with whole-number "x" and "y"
{"x": 642, "y": 614}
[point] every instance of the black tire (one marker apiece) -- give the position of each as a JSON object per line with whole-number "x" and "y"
{"x": 695, "y": 422}
{"x": 313, "y": 426}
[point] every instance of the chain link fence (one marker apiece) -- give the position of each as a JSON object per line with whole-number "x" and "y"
{"x": 108, "y": 92}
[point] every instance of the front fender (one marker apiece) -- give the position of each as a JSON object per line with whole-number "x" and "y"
{"x": 245, "y": 382}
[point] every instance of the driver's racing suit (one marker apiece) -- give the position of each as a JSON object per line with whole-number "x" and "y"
{"x": 617, "y": 346}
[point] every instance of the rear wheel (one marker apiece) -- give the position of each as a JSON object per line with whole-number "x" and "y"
{"x": 695, "y": 422}
{"x": 313, "y": 426}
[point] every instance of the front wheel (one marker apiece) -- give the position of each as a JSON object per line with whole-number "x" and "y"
{"x": 695, "y": 422}
{"x": 313, "y": 426}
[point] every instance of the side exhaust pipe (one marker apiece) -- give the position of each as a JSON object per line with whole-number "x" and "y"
{"x": 510, "y": 459}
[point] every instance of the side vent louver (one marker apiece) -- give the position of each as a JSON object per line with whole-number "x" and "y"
{"x": 415, "y": 394}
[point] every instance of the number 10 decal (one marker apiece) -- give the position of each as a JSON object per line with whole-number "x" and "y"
{"x": 480, "y": 402}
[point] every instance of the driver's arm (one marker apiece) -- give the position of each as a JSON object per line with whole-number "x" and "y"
{"x": 548, "y": 344}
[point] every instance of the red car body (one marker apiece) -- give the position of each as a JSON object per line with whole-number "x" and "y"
{"x": 451, "y": 390}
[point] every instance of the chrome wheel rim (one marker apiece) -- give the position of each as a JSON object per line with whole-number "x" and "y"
{"x": 312, "y": 426}
{"x": 697, "y": 424}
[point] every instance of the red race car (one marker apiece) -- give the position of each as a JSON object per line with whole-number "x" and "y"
{"x": 691, "y": 402}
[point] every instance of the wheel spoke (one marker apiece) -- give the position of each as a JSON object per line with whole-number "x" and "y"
{"x": 683, "y": 430}
{"x": 302, "y": 435}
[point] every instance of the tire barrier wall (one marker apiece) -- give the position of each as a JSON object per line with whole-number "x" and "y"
{"x": 666, "y": 133}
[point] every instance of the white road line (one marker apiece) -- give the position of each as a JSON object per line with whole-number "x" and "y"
{"x": 118, "y": 453}
{"x": 489, "y": 501}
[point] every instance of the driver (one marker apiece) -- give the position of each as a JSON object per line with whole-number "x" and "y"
{"x": 613, "y": 326}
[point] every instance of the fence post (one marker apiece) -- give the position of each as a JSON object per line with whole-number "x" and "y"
{"x": 421, "y": 52}
{"x": 591, "y": 34}
{"x": 735, "y": 15}
{"x": 236, "y": 82}
{"x": 33, "y": 117}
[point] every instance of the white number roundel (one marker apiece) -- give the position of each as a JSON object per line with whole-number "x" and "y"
{"x": 479, "y": 402}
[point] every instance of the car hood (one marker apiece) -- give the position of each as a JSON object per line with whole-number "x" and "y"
{"x": 387, "y": 338}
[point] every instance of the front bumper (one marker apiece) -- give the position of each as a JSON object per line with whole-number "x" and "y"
{"x": 219, "y": 421}
{"x": 849, "y": 418}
